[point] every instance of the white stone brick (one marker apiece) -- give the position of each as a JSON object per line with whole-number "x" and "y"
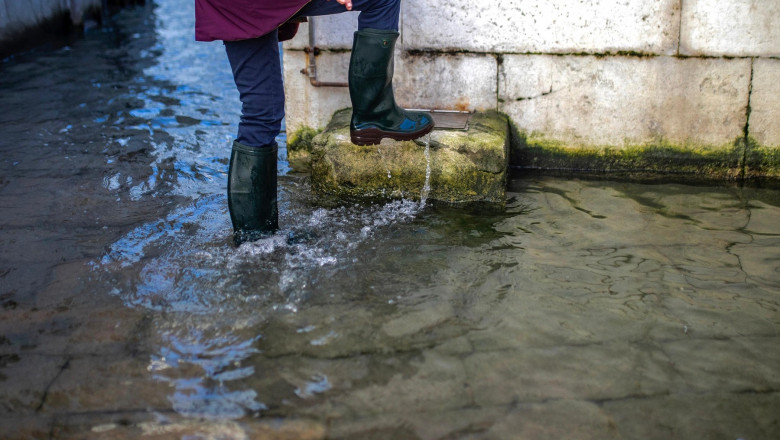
{"x": 330, "y": 31}
{"x": 446, "y": 81}
{"x": 542, "y": 26}
{"x": 618, "y": 101}
{"x": 454, "y": 82}
{"x": 311, "y": 106}
{"x": 730, "y": 27}
{"x": 765, "y": 103}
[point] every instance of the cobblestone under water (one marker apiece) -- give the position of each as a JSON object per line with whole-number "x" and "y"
{"x": 585, "y": 309}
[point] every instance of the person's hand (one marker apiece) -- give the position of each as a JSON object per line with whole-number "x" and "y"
{"x": 347, "y": 3}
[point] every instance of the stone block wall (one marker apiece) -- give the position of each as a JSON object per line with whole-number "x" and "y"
{"x": 596, "y": 74}
{"x": 17, "y": 14}
{"x": 23, "y": 22}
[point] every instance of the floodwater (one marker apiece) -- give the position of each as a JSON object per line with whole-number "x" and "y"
{"x": 586, "y": 309}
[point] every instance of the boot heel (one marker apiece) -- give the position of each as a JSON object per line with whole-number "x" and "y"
{"x": 363, "y": 138}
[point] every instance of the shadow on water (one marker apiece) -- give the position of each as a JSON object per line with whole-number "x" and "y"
{"x": 583, "y": 307}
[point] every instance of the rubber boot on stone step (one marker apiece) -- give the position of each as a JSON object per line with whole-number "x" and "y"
{"x": 375, "y": 114}
{"x": 252, "y": 192}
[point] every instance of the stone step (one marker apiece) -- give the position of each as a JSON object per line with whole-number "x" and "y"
{"x": 458, "y": 166}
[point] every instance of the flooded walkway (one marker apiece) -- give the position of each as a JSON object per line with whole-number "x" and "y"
{"x": 586, "y": 309}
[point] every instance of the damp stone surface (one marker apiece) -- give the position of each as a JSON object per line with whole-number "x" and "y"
{"x": 452, "y": 166}
{"x": 584, "y": 308}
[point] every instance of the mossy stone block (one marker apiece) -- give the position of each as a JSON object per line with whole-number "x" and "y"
{"x": 762, "y": 162}
{"x": 458, "y": 165}
{"x": 299, "y": 149}
{"x": 639, "y": 161}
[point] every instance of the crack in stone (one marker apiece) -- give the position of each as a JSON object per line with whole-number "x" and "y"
{"x": 746, "y": 141}
{"x": 755, "y": 392}
{"x": 669, "y": 361}
{"x": 118, "y": 412}
{"x": 605, "y": 400}
{"x": 63, "y": 367}
{"x": 351, "y": 355}
{"x": 629, "y": 342}
{"x": 528, "y": 98}
{"x": 420, "y": 349}
{"x": 743, "y": 229}
{"x": 679, "y": 28}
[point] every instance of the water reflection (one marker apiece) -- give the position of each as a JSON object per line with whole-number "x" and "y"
{"x": 615, "y": 306}
{"x": 199, "y": 364}
{"x": 183, "y": 262}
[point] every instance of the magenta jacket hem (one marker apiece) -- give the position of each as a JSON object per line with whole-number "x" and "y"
{"x": 231, "y": 20}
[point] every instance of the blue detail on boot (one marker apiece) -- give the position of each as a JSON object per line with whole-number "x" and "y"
{"x": 423, "y": 121}
{"x": 407, "y": 125}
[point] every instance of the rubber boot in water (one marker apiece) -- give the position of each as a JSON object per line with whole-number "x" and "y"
{"x": 252, "y": 192}
{"x": 374, "y": 112}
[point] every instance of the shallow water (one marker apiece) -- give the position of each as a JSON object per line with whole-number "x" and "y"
{"x": 585, "y": 309}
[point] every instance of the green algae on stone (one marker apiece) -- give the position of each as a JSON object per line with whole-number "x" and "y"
{"x": 299, "y": 149}
{"x": 762, "y": 162}
{"x": 723, "y": 162}
{"x": 465, "y": 166}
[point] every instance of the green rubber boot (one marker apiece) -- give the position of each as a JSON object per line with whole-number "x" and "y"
{"x": 374, "y": 112}
{"x": 252, "y": 192}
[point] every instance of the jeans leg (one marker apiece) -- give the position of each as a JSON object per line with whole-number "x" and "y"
{"x": 374, "y": 14}
{"x": 258, "y": 76}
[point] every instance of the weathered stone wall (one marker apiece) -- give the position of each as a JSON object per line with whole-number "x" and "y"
{"x": 22, "y": 21}
{"x": 614, "y": 74}
{"x": 16, "y": 15}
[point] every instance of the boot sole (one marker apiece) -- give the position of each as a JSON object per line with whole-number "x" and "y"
{"x": 373, "y": 136}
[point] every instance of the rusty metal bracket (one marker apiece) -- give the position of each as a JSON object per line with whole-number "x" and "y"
{"x": 311, "y": 62}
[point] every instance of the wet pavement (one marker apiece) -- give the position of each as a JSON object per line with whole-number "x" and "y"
{"x": 586, "y": 309}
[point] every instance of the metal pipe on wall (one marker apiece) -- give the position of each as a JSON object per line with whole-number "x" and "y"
{"x": 311, "y": 62}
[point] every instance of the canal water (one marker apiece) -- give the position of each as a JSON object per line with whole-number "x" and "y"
{"x": 586, "y": 309}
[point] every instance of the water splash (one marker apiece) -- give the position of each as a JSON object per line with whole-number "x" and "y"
{"x": 427, "y": 186}
{"x": 184, "y": 262}
{"x": 384, "y": 161}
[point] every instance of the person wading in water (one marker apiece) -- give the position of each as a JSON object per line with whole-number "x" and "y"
{"x": 251, "y": 31}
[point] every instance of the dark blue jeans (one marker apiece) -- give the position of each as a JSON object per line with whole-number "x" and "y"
{"x": 258, "y": 73}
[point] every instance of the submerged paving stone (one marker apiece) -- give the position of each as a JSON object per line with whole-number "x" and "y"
{"x": 584, "y": 309}
{"x": 751, "y": 415}
{"x": 166, "y": 426}
{"x": 555, "y": 419}
{"x": 25, "y": 427}
{"x": 24, "y": 381}
{"x": 113, "y": 385}
{"x": 459, "y": 166}
{"x": 462, "y": 423}
{"x": 594, "y": 372}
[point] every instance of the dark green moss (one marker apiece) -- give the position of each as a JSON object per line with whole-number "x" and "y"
{"x": 761, "y": 162}
{"x": 744, "y": 160}
{"x": 465, "y": 166}
{"x": 724, "y": 163}
{"x": 299, "y": 149}
{"x": 339, "y": 120}
{"x": 301, "y": 139}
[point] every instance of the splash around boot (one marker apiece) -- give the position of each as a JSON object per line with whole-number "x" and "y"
{"x": 251, "y": 36}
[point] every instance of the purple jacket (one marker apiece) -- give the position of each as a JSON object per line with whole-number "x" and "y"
{"x": 241, "y": 19}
